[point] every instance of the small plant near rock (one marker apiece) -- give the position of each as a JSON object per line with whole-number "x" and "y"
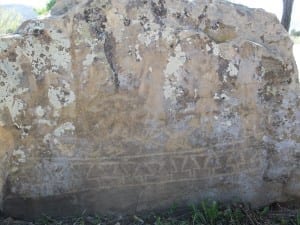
{"x": 297, "y": 219}
{"x": 207, "y": 214}
{"x": 46, "y": 9}
{"x": 234, "y": 216}
{"x": 295, "y": 33}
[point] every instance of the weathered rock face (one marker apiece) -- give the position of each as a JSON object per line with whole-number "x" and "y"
{"x": 122, "y": 106}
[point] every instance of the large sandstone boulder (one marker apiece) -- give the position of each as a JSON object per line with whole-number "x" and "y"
{"x": 117, "y": 106}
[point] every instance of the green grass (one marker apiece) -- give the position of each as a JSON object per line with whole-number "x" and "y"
{"x": 207, "y": 213}
{"x": 204, "y": 213}
{"x": 212, "y": 213}
{"x": 296, "y": 39}
{"x": 10, "y": 20}
{"x": 45, "y": 10}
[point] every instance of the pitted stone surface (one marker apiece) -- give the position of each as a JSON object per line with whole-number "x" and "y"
{"x": 122, "y": 106}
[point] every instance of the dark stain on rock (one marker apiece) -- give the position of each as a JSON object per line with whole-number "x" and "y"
{"x": 110, "y": 54}
{"x": 127, "y": 22}
{"x": 275, "y": 76}
{"x": 143, "y": 20}
{"x": 177, "y": 15}
{"x": 241, "y": 13}
{"x": 159, "y": 10}
{"x": 135, "y": 4}
{"x": 259, "y": 71}
{"x": 12, "y": 57}
{"x": 42, "y": 35}
{"x": 269, "y": 92}
{"x": 3, "y": 74}
{"x": 37, "y": 32}
{"x": 97, "y": 19}
{"x": 144, "y": 23}
{"x": 216, "y": 25}
{"x": 93, "y": 15}
{"x": 89, "y": 3}
{"x": 203, "y": 14}
{"x": 275, "y": 71}
{"x": 185, "y": 18}
{"x": 186, "y": 12}
{"x": 223, "y": 65}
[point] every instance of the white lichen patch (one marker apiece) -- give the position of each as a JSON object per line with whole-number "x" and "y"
{"x": 3, "y": 45}
{"x": 227, "y": 123}
{"x": 46, "y": 57}
{"x": 169, "y": 35}
{"x": 16, "y": 108}
{"x": 88, "y": 60}
{"x": 173, "y": 75}
{"x": 208, "y": 48}
{"x": 221, "y": 96}
{"x": 45, "y": 122}
{"x": 147, "y": 39}
{"x": 39, "y": 111}
{"x": 61, "y": 39}
{"x": 34, "y": 25}
{"x": 214, "y": 48}
{"x": 10, "y": 90}
{"x": 216, "y": 96}
{"x": 41, "y": 114}
{"x": 47, "y": 138}
{"x": 19, "y": 156}
{"x": 175, "y": 62}
{"x": 137, "y": 54}
{"x": 224, "y": 97}
{"x": 151, "y": 35}
{"x": 53, "y": 137}
{"x": 232, "y": 70}
{"x": 60, "y": 97}
{"x": 66, "y": 127}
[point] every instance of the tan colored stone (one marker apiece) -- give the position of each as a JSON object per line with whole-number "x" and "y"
{"x": 120, "y": 106}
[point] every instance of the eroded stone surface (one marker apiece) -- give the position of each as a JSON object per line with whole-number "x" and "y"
{"x": 122, "y": 106}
